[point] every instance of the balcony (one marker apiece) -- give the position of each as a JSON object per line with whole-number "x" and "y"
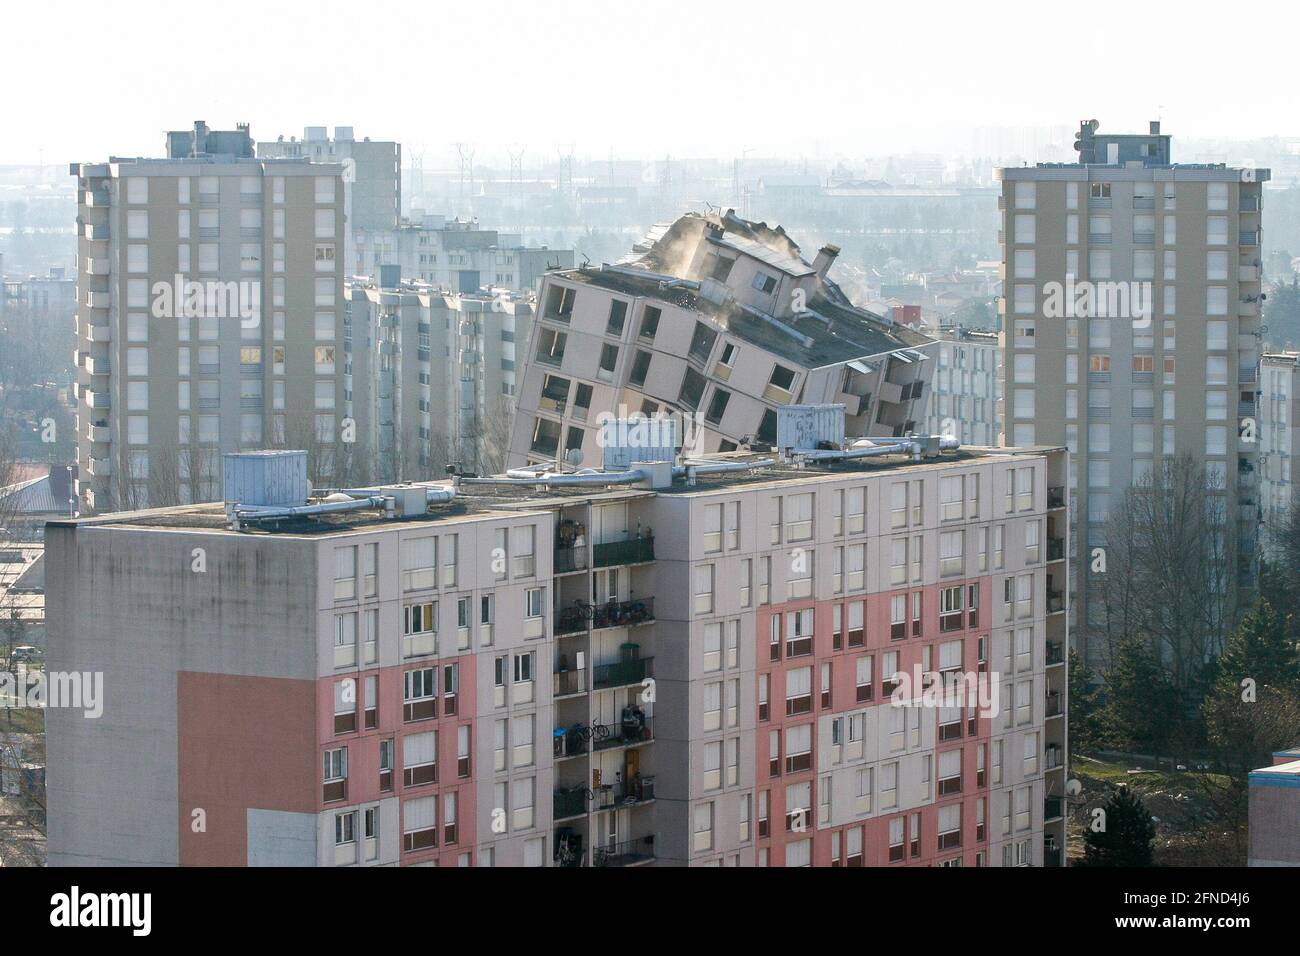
{"x": 100, "y": 467}
{"x": 97, "y": 366}
{"x": 1248, "y": 273}
{"x": 569, "y": 682}
{"x": 98, "y": 433}
{"x": 626, "y": 853}
{"x": 1055, "y": 602}
{"x": 637, "y": 791}
{"x": 635, "y": 729}
{"x": 573, "y": 620}
{"x": 1054, "y": 704}
{"x": 569, "y": 802}
{"x": 1249, "y": 237}
{"x": 1055, "y": 549}
{"x": 97, "y": 332}
{"x": 632, "y": 551}
{"x": 1051, "y": 856}
{"x": 568, "y": 560}
{"x": 623, "y": 613}
{"x": 1248, "y": 204}
{"x": 1056, "y": 497}
{"x": 1055, "y": 653}
{"x": 628, "y": 671}
{"x": 1051, "y": 809}
{"x": 570, "y": 742}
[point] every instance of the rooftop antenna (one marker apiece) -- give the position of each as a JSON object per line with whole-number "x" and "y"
{"x": 564, "y": 179}
{"x": 517, "y": 183}
{"x": 466, "y": 185}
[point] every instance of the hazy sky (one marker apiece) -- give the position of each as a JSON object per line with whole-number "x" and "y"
{"x": 695, "y": 78}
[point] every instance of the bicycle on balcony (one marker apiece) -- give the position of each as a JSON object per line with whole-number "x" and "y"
{"x": 596, "y": 731}
{"x": 575, "y": 618}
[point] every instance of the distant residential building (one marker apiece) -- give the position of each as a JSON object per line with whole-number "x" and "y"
{"x": 372, "y": 177}
{"x": 1131, "y": 313}
{"x": 457, "y": 256}
{"x": 431, "y": 375}
{"x": 719, "y": 322}
{"x": 966, "y": 393}
{"x": 373, "y": 171}
{"x": 1275, "y": 812}
{"x": 54, "y": 294}
{"x": 1279, "y": 441}
{"x": 209, "y": 308}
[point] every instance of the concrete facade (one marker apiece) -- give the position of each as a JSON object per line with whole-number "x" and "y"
{"x": 431, "y": 375}
{"x": 723, "y": 653}
{"x": 1162, "y": 356}
{"x": 166, "y": 382}
{"x": 1278, "y": 422}
{"x": 966, "y": 394}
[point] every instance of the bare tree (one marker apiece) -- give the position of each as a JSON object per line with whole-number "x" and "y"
{"x": 1169, "y": 580}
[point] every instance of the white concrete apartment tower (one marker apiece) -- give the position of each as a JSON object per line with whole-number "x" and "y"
{"x": 209, "y": 301}
{"x": 1131, "y": 330}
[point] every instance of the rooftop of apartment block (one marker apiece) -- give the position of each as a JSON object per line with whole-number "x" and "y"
{"x": 389, "y": 284}
{"x": 200, "y": 145}
{"x": 830, "y": 330}
{"x": 1128, "y": 154}
{"x": 479, "y": 501}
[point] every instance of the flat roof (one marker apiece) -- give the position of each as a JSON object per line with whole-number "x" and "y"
{"x": 1286, "y": 775}
{"x": 475, "y": 502}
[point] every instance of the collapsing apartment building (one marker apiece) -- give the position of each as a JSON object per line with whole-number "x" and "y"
{"x": 715, "y": 321}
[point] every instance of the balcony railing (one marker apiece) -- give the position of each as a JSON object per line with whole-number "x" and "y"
{"x": 1051, "y": 856}
{"x": 636, "y": 791}
{"x": 1056, "y": 497}
{"x": 569, "y": 682}
{"x": 623, "y": 613}
{"x": 1055, "y": 549}
{"x": 1055, "y": 653}
{"x": 570, "y": 559}
{"x": 1051, "y": 808}
{"x": 632, "y": 731}
{"x": 1055, "y": 602}
{"x": 570, "y": 802}
{"x": 573, "y": 620}
{"x": 632, "y": 551}
{"x": 623, "y": 672}
{"x": 626, "y": 853}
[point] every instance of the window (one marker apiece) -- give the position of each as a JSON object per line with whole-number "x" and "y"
{"x": 649, "y": 323}
{"x": 617, "y": 317}
{"x": 419, "y": 688}
{"x": 419, "y": 823}
{"x": 419, "y": 758}
{"x": 335, "y": 774}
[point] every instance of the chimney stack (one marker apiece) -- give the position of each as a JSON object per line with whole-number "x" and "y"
{"x": 1155, "y": 127}
{"x": 825, "y": 259}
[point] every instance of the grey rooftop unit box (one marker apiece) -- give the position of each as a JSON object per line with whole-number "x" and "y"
{"x": 809, "y": 427}
{"x": 265, "y": 479}
{"x": 626, "y": 441}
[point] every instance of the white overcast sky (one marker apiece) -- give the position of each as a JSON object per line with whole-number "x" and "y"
{"x": 83, "y": 80}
